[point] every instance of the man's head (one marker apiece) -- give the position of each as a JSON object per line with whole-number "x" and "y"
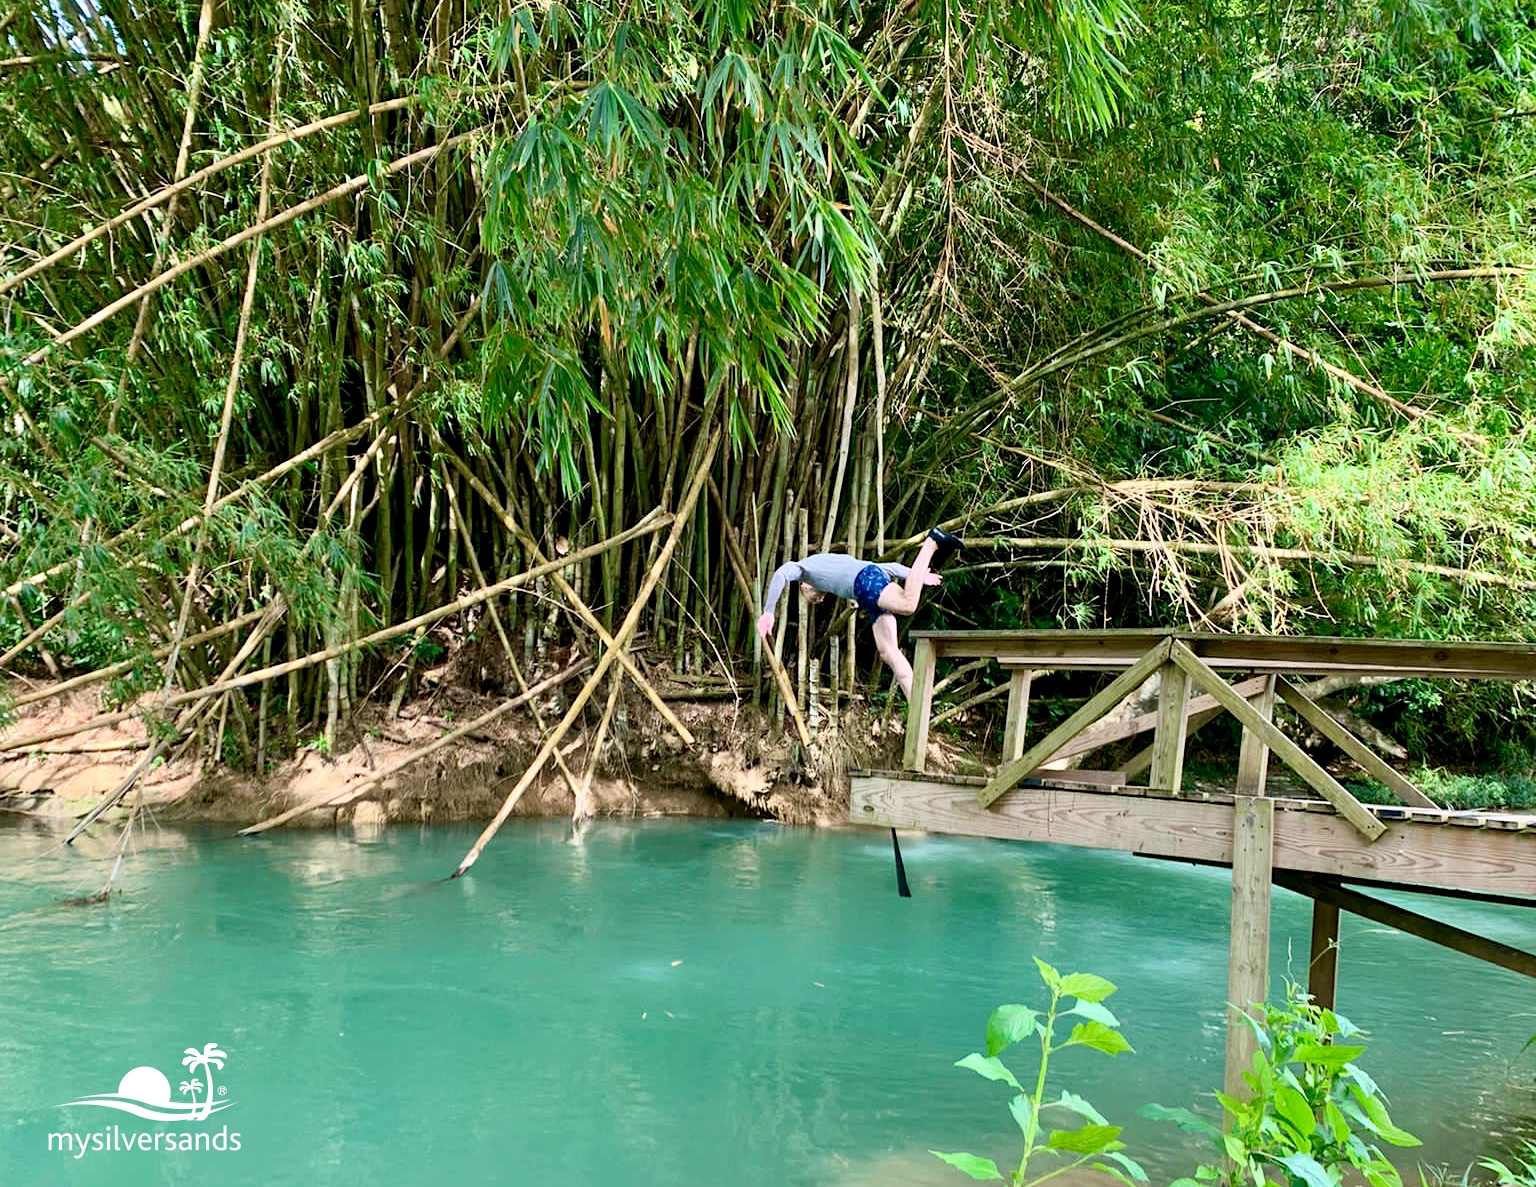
{"x": 811, "y": 593}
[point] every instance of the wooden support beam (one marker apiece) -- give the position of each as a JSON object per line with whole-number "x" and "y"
{"x": 1289, "y": 753}
{"x": 1323, "y": 966}
{"x": 1018, "y": 714}
{"x": 1253, "y": 755}
{"x": 1248, "y": 955}
{"x": 1172, "y": 722}
{"x": 1457, "y": 939}
{"x": 1370, "y": 762}
{"x": 1200, "y": 709}
{"x": 1109, "y": 651}
{"x": 1008, "y": 776}
{"x": 1452, "y": 852}
{"x": 919, "y": 706}
{"x": 1142, "y": 760}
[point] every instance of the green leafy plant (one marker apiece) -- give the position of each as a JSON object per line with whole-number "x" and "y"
{"x": 1095, "y": 1143}
{"x": 1312, "y": 1114}
{"x": 1522, "y": 1174}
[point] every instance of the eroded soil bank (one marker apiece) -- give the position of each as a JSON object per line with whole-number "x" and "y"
{"x": 737, "y": 766}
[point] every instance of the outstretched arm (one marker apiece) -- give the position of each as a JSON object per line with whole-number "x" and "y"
{"x": 782, "y": 576}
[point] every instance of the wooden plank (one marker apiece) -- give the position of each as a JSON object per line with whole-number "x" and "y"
{"x": 1248, "y": 953}
{"x": 1190, "y": 828}
{"x": 1253, "y": 755}
{"x": 919, "y": 706}
{"x": 1447, "y": 936}
{"x": 1111, "y": 650}
{"x": 1018, "y": 714}
{"x": 1172, "y": 721}
{"x": 1289, "y": 753}
{"x": 1200, "y": 708}
{"x": 1372, "y": 763}
{"x": 1323, "y": 967}
{"x": 1009, "y": 775}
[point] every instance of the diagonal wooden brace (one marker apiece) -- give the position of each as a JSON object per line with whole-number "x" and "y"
{"x": 1320, "y": 720}
{"x": 1288, "y": 752}
{"x": 1128, "y": 681}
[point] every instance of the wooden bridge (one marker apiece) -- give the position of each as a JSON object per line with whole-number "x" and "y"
{"x": 1324, "y": 847}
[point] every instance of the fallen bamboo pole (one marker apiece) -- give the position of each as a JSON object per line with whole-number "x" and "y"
{"x": 653, "y": 522}
{"x": 620, "y": 640}
{"x": 739, "y": 568}
{"x": 333, "y": 798}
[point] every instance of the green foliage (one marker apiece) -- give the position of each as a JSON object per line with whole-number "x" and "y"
{"x": 1521, "y": 1174}
{"x": 1092, "y": 1141}
{"x": 1313, "y": 1113}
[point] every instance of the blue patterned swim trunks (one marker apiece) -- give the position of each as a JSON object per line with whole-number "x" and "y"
{"x": 866, "y": 590}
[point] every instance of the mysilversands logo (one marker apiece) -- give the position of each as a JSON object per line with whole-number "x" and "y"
{"x": 146, "y": 1092}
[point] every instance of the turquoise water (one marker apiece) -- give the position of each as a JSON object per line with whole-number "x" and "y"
{"x": 664, "y": 1003}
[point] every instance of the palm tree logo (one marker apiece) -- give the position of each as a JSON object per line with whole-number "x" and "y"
{"x": 190, "y": 1086}
{"x": 208, "y": 1058}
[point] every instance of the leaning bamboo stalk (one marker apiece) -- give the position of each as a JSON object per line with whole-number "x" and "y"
{"x": 744, "y": 584}
{"x": 611, "y": 652}
{"x": 501, "y": 631}
{"x": 530, "y": 545}
{"x": 333, "y": 798}
{"x": 344, "y": 189}
{"x": 186, "y": 721}
{"x": 168, "y": 192}
{"x": 582, "y": 808}
{"x": 117, "y": 669}
{"x": 653, "y": 522}
{"x": 850, "y": 400}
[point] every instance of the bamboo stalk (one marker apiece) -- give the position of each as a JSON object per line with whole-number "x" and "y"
{"x": 331, "y": 797}
{"x": 571, "y": 596}
{"x": 620, "y": 639}
{"x": 744, "y": 584}
{"x": 653, "y": 522}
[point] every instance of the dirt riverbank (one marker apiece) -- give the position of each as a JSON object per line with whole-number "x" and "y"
{"x": 736, "y": 767}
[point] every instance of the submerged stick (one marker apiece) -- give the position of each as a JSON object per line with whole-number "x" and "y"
{"x": 610, "y": 653}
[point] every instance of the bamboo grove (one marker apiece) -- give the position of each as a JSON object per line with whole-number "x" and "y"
{"x": 331, "y": 323}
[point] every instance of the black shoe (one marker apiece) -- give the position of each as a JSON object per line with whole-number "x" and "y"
{"x": 948, "y": 544}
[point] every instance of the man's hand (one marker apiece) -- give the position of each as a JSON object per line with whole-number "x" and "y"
{"x": 932, "y": 579}
{"x": 765, "y": 624}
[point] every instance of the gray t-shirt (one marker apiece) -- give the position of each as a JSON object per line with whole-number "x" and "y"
{"x": 831, "y": 572}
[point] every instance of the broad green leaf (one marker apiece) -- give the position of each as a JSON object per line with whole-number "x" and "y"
{"x": 989, "y": 1067}
{"x": 1087, "y": 986}
{"x": 1233, "y": 1146}
{"x": 1009, "y": 1024}
{"x": 1099, "y": 1037}
{"x": 977, "y": 1168}
{"x": 1049, "y": 975}
{"x": 1093, "y": 1010}
{"x": 1023, "y": 1111}
{"x": 1293, "y": 1108}
{"x": 1181, "y": 1117}
{"x": 1326, "y": 1055}
{"x": 1132, "y": 1168}
{"x": 1309, "y": 1170}
{"x": 1381, "y": 1120}
{"x": 1070, "y": 1100}
{"x": 1090, "y": 1139}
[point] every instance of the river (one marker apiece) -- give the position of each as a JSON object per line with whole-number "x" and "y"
{"x": 663, "y": 1004}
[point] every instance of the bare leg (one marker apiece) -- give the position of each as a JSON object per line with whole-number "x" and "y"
{"x": 890, "y": 650}
{"x": 903, "y": 598}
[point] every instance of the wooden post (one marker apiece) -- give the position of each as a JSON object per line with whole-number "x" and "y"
{"x": 919, "y": 706}
{"x": 1253, "y": 827}
{"x": 1018, "y": 714}
{"x": 1172, "y": 722}
{"x": 1253, "y": 758}
{"x": 1323, "y": 967}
